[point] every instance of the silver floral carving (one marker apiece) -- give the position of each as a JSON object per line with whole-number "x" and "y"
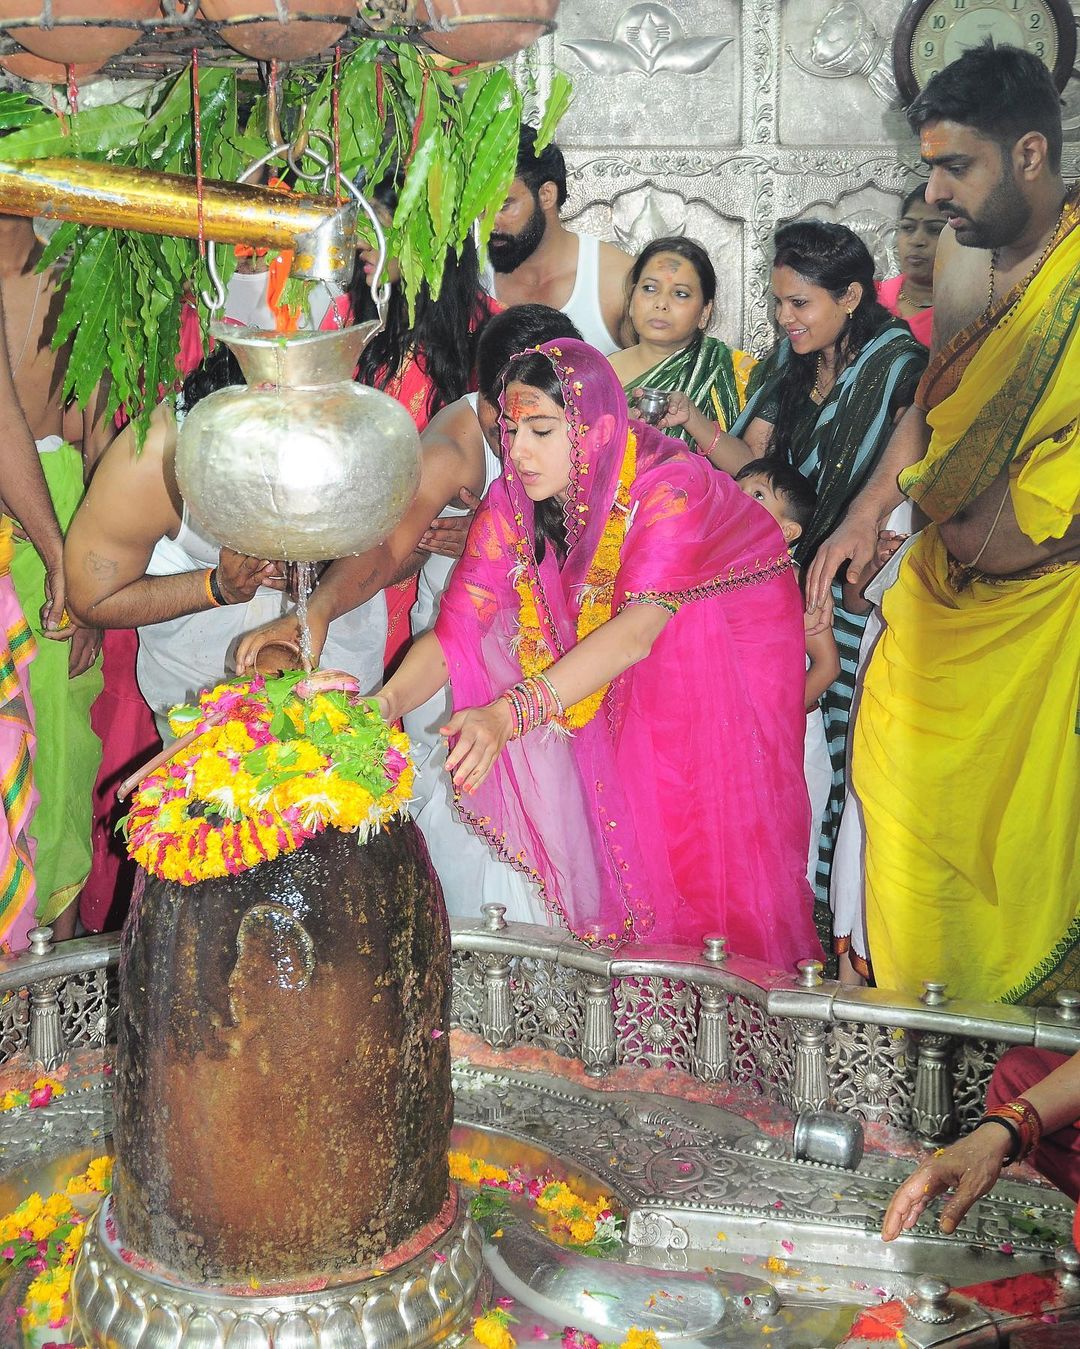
{"x": 656, "y": 1022}
{"x": 639, "y": 217}
{"x": 14, "y": 1024}
{"x": 871, "y": 1072}
{"x": 846, "y": 43}
{"x": 548, "y": 1005}
{"x": 85, "y": 1007}
{"x": 649, "y": 39}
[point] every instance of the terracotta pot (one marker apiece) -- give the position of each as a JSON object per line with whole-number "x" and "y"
{"x": 88, "y": 44}
{"x": 273, "y": 41}
{"x": 39, "y": 71}
{"x": 283, "y": 1103}
{"x": 463, "y": 30}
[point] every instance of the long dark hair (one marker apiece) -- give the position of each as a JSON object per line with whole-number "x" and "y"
{"x": 833, "y": 257}
{"x": 536, "y": 370}
{"x": 688, "y": 249}
{"x": 443, "y": 334}
{"x": 216, "y": 371}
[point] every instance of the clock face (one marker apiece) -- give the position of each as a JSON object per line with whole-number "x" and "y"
{"x": 936, "y": 32}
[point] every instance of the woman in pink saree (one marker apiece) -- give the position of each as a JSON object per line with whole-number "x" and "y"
{"x": 624, "y": 641}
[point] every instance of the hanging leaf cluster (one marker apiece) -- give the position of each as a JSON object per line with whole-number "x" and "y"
{"x": 450, "y": 149}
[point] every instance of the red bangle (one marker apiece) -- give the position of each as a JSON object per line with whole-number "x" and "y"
{"x": 714, "y": 442}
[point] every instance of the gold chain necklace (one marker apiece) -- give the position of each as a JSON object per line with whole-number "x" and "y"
{"x": 1023, "y": 285}
{"x": 819, "y": 393}
{"x": 904, "y": 298}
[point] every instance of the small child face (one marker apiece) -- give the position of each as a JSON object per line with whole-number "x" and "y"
{"x": 759, "y": 487}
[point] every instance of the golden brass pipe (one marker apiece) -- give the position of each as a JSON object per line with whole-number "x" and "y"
{"x": 322, "y": 233}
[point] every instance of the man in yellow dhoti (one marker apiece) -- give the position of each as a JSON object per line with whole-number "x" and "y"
{"x": 966, "y": 757}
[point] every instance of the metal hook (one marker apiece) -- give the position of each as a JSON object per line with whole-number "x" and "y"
{"x": 216, "y": 302}
{"x": 380, "y": 294}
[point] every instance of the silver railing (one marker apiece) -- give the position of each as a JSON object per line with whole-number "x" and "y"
{"x": 921, "y": 1064}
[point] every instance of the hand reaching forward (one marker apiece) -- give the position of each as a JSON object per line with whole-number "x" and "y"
{"x": 447, "y": 535}
{"x": 853, "y": 540}
{"x": 970, "y": 1168}
{"x": 482, "y": 734}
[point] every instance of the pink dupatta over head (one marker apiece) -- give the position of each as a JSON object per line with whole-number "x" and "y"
{"x": 599, "y": 818}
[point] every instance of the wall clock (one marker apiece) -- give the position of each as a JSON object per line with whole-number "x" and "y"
{"x": 931, "y": 33}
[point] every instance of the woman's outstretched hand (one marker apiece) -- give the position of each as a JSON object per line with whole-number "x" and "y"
{"x": 482, "y": 734}
{"x": 970, "y": 1168}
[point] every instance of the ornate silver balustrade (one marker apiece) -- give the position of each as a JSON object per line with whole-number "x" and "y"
{"x": 921, "y": 1064}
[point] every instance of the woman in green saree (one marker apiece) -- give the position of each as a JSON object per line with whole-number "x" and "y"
{"x": 671, "y": 289}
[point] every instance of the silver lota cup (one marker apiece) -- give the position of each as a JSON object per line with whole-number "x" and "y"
{"x": 830, "y": 1137}
{"x": 651, "y": 405}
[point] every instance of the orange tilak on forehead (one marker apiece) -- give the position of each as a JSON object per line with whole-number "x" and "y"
{"x": 667, "y": 263}
{"x": 933, "y": 143}
{"x": 520, "y": 403}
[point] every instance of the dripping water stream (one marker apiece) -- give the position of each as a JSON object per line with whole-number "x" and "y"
{"x": 303, "y": 573}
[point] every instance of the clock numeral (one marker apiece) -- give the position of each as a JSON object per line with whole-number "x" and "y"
{"x": 959, "y": 4}
{"x": 1034, "y": 21}
{"x": 1015, "y": 4}
{"x": 928, "y": 49}
{"x": 1039, "y": 48}
{"x": 938, "y": 21}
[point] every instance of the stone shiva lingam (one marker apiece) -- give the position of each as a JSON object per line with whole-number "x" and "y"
{"x": 283, "y": 1104}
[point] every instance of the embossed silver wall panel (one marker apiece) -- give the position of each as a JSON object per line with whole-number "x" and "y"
{"x": 721, "y": 119}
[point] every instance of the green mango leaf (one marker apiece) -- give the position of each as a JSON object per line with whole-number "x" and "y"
{"x": 491, "y": 170}
{"x": 93, "y": 132}
{"x": 559, "y": 99}
{"x": 413, "y": 189}
{"x": 63, "y": 239}
{"x": 17, "y": 109}
{"x": 89, "y": 357}
{"x": 93, "y": 264}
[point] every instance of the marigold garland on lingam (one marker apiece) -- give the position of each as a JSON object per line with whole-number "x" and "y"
{"x": 277, "y": 762}
{"x": 533, "y": 651}
{"x": 44, "y": 1236}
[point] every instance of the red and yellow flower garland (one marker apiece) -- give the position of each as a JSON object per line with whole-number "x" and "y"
{"x": 533, "y": 651}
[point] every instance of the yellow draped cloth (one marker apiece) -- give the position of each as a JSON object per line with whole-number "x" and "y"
{"x": 965, "y": 755}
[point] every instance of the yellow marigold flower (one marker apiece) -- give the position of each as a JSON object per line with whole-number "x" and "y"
{"x": 29, "y": 1210}
{"x": 57, "y": 1206}
{"x": 581, "y": 1229}
{"x": 322, "y": 708}
{"x": 640, "y": 1339}
{"x": 553, "y": 1197}
{"x": 491, "y": 1333}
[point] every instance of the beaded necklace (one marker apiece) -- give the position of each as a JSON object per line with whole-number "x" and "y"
{"x": 1019, "y": 290}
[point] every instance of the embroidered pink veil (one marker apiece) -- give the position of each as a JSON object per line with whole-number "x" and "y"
{"x": 557, "y": 807}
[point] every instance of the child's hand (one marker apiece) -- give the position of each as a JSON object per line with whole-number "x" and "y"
{"x": 887, "y": 543}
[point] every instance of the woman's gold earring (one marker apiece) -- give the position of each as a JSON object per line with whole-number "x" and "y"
{"x": 850, "y": 312}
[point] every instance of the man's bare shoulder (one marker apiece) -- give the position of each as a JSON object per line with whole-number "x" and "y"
{"x": 136, "y": 483}
{"x": 613, "y": 260}
{"x": 453, "y": 449}
{"x": 961, "y": 278}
